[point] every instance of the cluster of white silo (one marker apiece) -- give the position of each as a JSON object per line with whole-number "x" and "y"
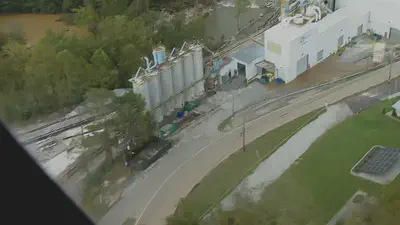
{"x": 167, "y": 83}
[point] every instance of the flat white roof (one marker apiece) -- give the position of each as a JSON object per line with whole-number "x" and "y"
{"x": 286, "y": 33}
{"x": 340, "y": 15}
{"x": 381, "y": 10}
{"x": 249, "y": 53}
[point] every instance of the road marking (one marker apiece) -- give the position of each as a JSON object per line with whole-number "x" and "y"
{"x": 172, "y": 174}
{"x": 369, "y": 94}
{"x": 200, "y": 151}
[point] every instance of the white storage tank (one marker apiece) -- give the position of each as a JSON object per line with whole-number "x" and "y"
{"x": 167, "y": 89}
{"x": 178, "y": 82}
{"x": 141, "y": 87}
{"x": 155, "y": 95}
{"x": 198, "y": 70}
{"x": 188, "y": 71}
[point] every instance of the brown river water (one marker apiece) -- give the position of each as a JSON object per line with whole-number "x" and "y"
{"x": 222, "y": 21}
{"x": 35, "y": 25}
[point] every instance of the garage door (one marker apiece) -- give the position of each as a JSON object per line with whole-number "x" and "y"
{"x": 302, "y": 65}
{"x": 394, "y": 34}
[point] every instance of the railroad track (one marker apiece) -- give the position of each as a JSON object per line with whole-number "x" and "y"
{"x": 58, "y": 131}
{"x": 271, "y": 21}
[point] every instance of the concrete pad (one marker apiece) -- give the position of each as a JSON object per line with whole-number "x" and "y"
{"x": 385, "y": 178}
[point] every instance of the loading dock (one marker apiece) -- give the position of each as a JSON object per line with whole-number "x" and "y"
{"x": 302, "y": 65}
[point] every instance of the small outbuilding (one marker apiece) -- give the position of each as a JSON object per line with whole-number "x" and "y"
{"x": 247, "y": 58}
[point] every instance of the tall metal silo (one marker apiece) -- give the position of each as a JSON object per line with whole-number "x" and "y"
{"x": 178, "y": 82}
{"x": 198, "y": 70}
{"x": 188, "y": 71}
{"x": 167, "y": 90}
{"x": 141, "y": 86}
{"x": 155, "y": 95}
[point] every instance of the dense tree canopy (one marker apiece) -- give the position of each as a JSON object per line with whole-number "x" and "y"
{"x": 58, "y": 71}
{"x": 105, "y": 7}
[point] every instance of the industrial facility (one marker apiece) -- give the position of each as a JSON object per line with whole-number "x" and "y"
{"x": 310, "y": 31}
{"x": 168, "y": 82}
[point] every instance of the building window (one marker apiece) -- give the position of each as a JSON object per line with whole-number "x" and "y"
{"x": 340, "y": 41}
{"x": 320, "y": 55}
{"x": 274, "y": 47}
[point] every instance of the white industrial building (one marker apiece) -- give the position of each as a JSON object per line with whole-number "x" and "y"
{"x": 300, "y": 42}
{"x": 168, "y": 82}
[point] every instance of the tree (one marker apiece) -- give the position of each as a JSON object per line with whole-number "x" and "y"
{"x": 174, "y": 33}
{"x": 3, "y": 39}
{"x": 129, "y": 61}
{"x": 43, "y": 74}
{"x": 103, "y": 138}
{"x": 133, "y": 121}
{"x": 113, "y": 7}
{"x": 102, "y": 74}
{"x": 30, "y": 6}
{"x": 137, "y": 8}
{"x": 85, "y": 15}
{"x": 66, "y": 5}
{"x": 125, "y": 121}
{"x": 241, "y": 7}
{"x": 12, "y": 66}
{"x": 117, "y": 32}
{"x": 73, "y": 71}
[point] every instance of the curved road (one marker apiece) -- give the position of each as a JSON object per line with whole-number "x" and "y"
{"x": 151, "y": 198}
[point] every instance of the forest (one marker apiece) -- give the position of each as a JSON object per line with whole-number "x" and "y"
{"x": 58, "y": 71}
{"x": 58, "y": 6}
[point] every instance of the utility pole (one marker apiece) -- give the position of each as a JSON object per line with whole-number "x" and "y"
{"x": 233, "y": 104}
{"x": 243, "y": 134}
{"x": 390, "y": 69}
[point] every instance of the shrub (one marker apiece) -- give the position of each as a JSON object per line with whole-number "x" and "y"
{"x": 67, "y": 18}
{"x": 3, "y": 39}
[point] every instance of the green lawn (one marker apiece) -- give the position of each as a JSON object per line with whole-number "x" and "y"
{"x": 320, "y": 183}
{"x": 325, "y": 169}
{"x": 230, "y": 172}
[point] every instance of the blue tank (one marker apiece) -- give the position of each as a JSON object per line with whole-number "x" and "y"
{"x": 159, "y": 55}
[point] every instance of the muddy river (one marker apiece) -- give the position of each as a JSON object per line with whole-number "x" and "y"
{"x": 35, "y": 25}
{"x": 221, "y": 21}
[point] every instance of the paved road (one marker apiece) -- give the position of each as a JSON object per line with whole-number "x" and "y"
{"x": 374, "y": 95}
{"x": 153, "y": 197}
